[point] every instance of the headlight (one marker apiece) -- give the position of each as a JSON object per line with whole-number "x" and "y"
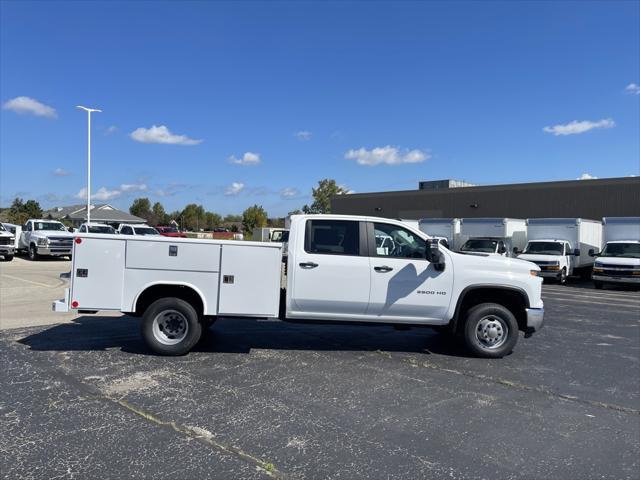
{"x": 43, "y": 241}
{"x": 598, "y": 264}
{"x": 535, "y": 273}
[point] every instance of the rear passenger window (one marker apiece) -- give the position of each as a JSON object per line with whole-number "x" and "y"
{"x": 332, "y": 237}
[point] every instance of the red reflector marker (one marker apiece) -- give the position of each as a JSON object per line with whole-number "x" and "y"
{"x": 78, "y": 240}
{"x": 74, "y": 304}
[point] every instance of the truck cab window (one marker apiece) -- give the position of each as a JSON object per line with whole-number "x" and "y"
{"x": 332, "y": 237}
{"x": 395, "y": 241}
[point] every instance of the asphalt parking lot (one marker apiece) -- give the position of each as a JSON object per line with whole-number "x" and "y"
{"x": 81, "y": 397}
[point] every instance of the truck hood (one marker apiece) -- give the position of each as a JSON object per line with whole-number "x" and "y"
{"x": 539, "y": 258}
{"x": 621, "y": 261}
{"x": 495, "y": 262}
{"x": 52, "y": 233}
{"x": 6, "y": 234}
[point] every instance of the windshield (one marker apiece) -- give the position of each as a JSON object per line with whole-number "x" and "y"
{"x": 146, "y": 231}
{"x": 544, "y": 248}
{"x": 280, "y": 236}
{"x": 101, "y": 229}
{"x": 56, "y": 226}
{"x": 627, "y": 250}
{"x": 480, "y": 245}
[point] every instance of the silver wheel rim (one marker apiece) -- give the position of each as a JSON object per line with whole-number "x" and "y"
{"x": 170, "y": 327}
{"x": 492, "y": 332}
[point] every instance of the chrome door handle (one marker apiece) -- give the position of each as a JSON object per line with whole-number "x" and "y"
{"x": 383, "y": 269}
{"x": 308, "y": 264}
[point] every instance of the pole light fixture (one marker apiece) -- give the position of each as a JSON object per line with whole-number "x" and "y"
{"x": 89, "y": 112}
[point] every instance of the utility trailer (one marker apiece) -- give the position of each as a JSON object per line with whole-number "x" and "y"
{"x": 339, "y": 268}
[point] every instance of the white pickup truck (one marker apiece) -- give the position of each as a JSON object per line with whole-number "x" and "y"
{"x": 7, "y": 242}
{"x": 45, "y": 238}
{"x": 335, "y": 272}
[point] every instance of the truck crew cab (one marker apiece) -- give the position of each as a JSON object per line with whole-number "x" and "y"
{"x": 337, "y": 270}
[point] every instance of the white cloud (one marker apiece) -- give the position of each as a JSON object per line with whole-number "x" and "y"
{"x": 30, "y": 106}
{"x": 289, "y": 192}
{"x": 234, "y": 189}
{"x": 61, "y": 172}
{"x": 303, "y": 135}
{"x": 633, "y": 88}
{"x": 102, "y": 194}
{"x": 161, "y": 134}
{"x": 133, "y": 187}
{"x": 576, "y": 127}
{"x": 110, "y": 130}
{"x": 386, "y": 155}
{"x": 249, "y": 158}
{"x": 586, "y": 176}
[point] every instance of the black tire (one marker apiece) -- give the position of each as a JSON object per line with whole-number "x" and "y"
{"x": 488, "y": 319}
{"x": 8, "y": 258}
{"x": 175, "y": 312}
{"x": 597, "y": 285}
{"x": 33, "y": 252}
{"x": 562, "y": 278}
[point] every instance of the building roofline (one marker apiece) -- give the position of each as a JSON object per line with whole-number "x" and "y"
{"x": 497, "y": 187}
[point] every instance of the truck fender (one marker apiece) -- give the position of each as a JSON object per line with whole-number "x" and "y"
{"x": 471, "y": 288}
{"x": 175, "y": 284}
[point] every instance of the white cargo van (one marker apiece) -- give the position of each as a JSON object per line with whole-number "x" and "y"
{"x": 619, "y": 261}
{"x": 560, "y": 246}
{"x": 493, "y": 236}
{"x": 445, "y": 230}
{"x": 335, "y": 272}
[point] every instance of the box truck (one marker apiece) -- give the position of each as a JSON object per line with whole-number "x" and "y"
{"x": 619, "y": 261}
{"x": 335, "y": 272}
{"x": 493, "y": 236}
{"x": 560, "y": 246}
{"x": 445, "y": 230}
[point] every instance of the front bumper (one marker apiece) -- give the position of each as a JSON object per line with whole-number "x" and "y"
{"x": 610, "y": 279}
{"x": 54, "y": 251}
{"x": 62, "y": 305}
{"x": 7, "y": 250}
{"x": 535, "y": 319}
{"x": 549, "y": 273}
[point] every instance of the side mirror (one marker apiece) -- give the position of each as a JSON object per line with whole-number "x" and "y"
{"x": 516, "y": 251}
{"x": 434, "y": 255}
{"x": 502, "y": 249}
{"x": 592, "y": 253}
{"x": 576, "y": 252}
{"x": 71, "y": 229}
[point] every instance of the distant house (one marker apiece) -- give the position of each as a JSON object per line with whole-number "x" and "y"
{"x": 101, "y": 213}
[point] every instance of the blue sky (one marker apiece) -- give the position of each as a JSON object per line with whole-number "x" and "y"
{"x": 230, "y": 104}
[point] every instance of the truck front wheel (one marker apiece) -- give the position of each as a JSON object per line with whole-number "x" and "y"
{"x": 8, "y": 258}
{"x": 33, "y": 252}
{"x": 171, "y": 326}
{"x": 562, "y": 278}
{"x": 490, "y": 330}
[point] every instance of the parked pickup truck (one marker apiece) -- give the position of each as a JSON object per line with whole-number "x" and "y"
{"x": 7, "y": 240}
{"x": 45, "y": 237}
{"x": 335, "y": 272}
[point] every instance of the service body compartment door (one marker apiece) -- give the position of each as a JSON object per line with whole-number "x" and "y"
{"x": 250, "y": 281}
{"x": 98, "y": 274}
{"x": 163, "y": 255}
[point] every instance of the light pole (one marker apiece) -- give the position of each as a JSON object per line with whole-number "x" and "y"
{"x": 89, "y": 112}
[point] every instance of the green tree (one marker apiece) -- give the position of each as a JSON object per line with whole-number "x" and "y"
{"x": 141, "y": 207}
{"x": 322, "y": 196}
{"x": 159, "y": 215}
{"x": 212, "y": 220}
{"x": 232, "y": 218}
{"x": 193, "y": 217}
{"x": 21, "y": 211}
{"x": 254, "y": 217}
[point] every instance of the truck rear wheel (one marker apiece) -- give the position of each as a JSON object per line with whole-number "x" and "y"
{"x": 490, "y": 330}
{"x": 171, "y": 326}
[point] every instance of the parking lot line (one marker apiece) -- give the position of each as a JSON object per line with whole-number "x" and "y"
{"x": 30, "y": 281}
